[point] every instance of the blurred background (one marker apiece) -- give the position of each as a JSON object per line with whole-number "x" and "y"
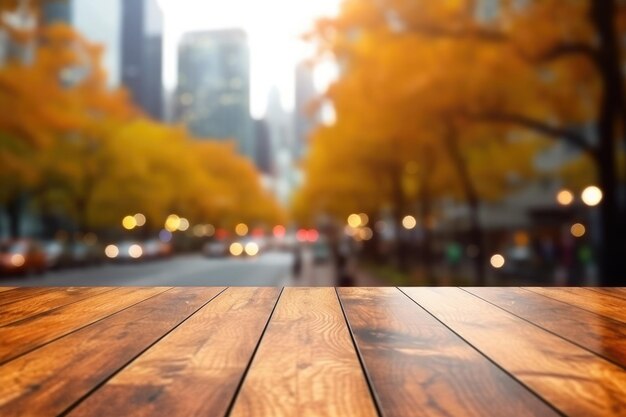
{"x": 327, "y": 142}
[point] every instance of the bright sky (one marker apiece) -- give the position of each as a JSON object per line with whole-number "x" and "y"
{"x": 273, "y": 28}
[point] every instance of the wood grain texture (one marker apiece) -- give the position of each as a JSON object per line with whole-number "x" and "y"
{"x": 306, "y": 364}
{"x": 605, "y": 305}
{"x": 574, "y": 380}
{"x": 196, "y": 369}
{"x": 604, "y": 336}
{"x": 3, "y": 289}
{"x": 47, "y": 381}
{"x": 618, "y": 292}
{"x": 40, "y": 303}
{"x": 420, "y": 368}
{"x": 17, "y": 294}
{"x": 22, "y": 336}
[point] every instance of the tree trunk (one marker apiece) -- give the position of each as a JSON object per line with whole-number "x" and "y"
{"x": 471, "y": 195}
{"x": 399, "y": 206}
{"x": 611, "y": 259}
{"x": 426, "y": 254}
{"x": 14, "y": 212}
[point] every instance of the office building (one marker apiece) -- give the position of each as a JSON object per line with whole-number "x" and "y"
{"x": 213, "y": 94}
{"x": 263, "y": 159}
{"x": 98, "y": 21}
{"x": 305, "y": 119}
{"x": 142, "y": 54}
{"x": 54, "y": 11}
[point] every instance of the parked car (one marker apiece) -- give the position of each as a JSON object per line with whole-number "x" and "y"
{"x": 125, "y": 251}
{"x": 215, "y": 249}
{"x": 70, "y": 254}
{"x": 54, "y": 252}
{"x": 22, "y": 256}
{"x": 152, "y": 249}
{"x": 156, "y": 249}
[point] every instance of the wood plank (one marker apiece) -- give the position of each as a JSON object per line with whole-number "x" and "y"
{"x": 40, "y": 303}
{"x": 18, "y": 294}
{"x": 3, "y": 289}
{"x": 615, "y": 292}
{"x": 49, "y": 380}
{"x": 595, "y": 302}
{"x": 574, "y": 380}
{"x": 603, "y": 336}
{"x": 197, "y": 368}
{"x": 25, "y": 335}
{"x": 418, "y": 367}
{"x": 320, "y": 374}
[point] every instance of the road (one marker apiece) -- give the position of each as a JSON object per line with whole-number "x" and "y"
{"x": 268, "y": 269}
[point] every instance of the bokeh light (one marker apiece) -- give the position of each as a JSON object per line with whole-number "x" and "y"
{"x": 251, "y": 248}
{"x": 236, "y": 248}
{"x": 364, "y": 219}
{"x": 497, "y": 261}
{"x": 366, "y": 233}
{"x": 521, "y": 238}
{"x": 565, "y": 197}
{"x": 198, "y": 230}
{"x": 302, "y": 235}
{"x": 592, "y": 196}
{"x": 409, "y": 222}
{"x": 111, "y": 251}
{"x": 135, "y": 251}
{"x": 140, "y": 219}
{"x": 312, "y": 235}
{"x": 129, "y": 222}
{"x": 354, "y": 220}
{"x": 241, "y": 229}
{"x": 279, "y": 231}
{"x": 183, "y": 224}
{"x": 18, "y": 260}
{"x": 165, "y": 236}
{"x": 578, "y": 230}
{"x": 172, "y": 223}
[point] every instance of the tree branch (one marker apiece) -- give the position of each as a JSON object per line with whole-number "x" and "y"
{"x": 563, "y": 50}
{"x": 568, "y": 135}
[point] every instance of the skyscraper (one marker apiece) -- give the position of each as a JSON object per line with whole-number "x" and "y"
{"x": 57, "y": 11}
{"x": 142, "y": 54}
{"x": 213, "y": 94}
{"x": 98, "y": 21}
{"x": 305, "y": 121}
{"x": 263, "y": 160}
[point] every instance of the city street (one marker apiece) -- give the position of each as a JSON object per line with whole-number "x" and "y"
{"x": 268, "y": 269}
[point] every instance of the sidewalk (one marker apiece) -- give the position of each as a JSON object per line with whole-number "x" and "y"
{"x": 324, "y": 275}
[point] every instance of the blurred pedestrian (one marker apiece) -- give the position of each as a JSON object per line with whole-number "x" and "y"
{"x": 297, "y": 263}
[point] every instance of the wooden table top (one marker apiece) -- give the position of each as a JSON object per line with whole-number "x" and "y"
{"x": 312, "y": 352}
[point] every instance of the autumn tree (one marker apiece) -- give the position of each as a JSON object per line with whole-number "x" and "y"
{"x": 546, "y": 67}
{"x": 394, "y": 104}
{"x": 80, "y": 150}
